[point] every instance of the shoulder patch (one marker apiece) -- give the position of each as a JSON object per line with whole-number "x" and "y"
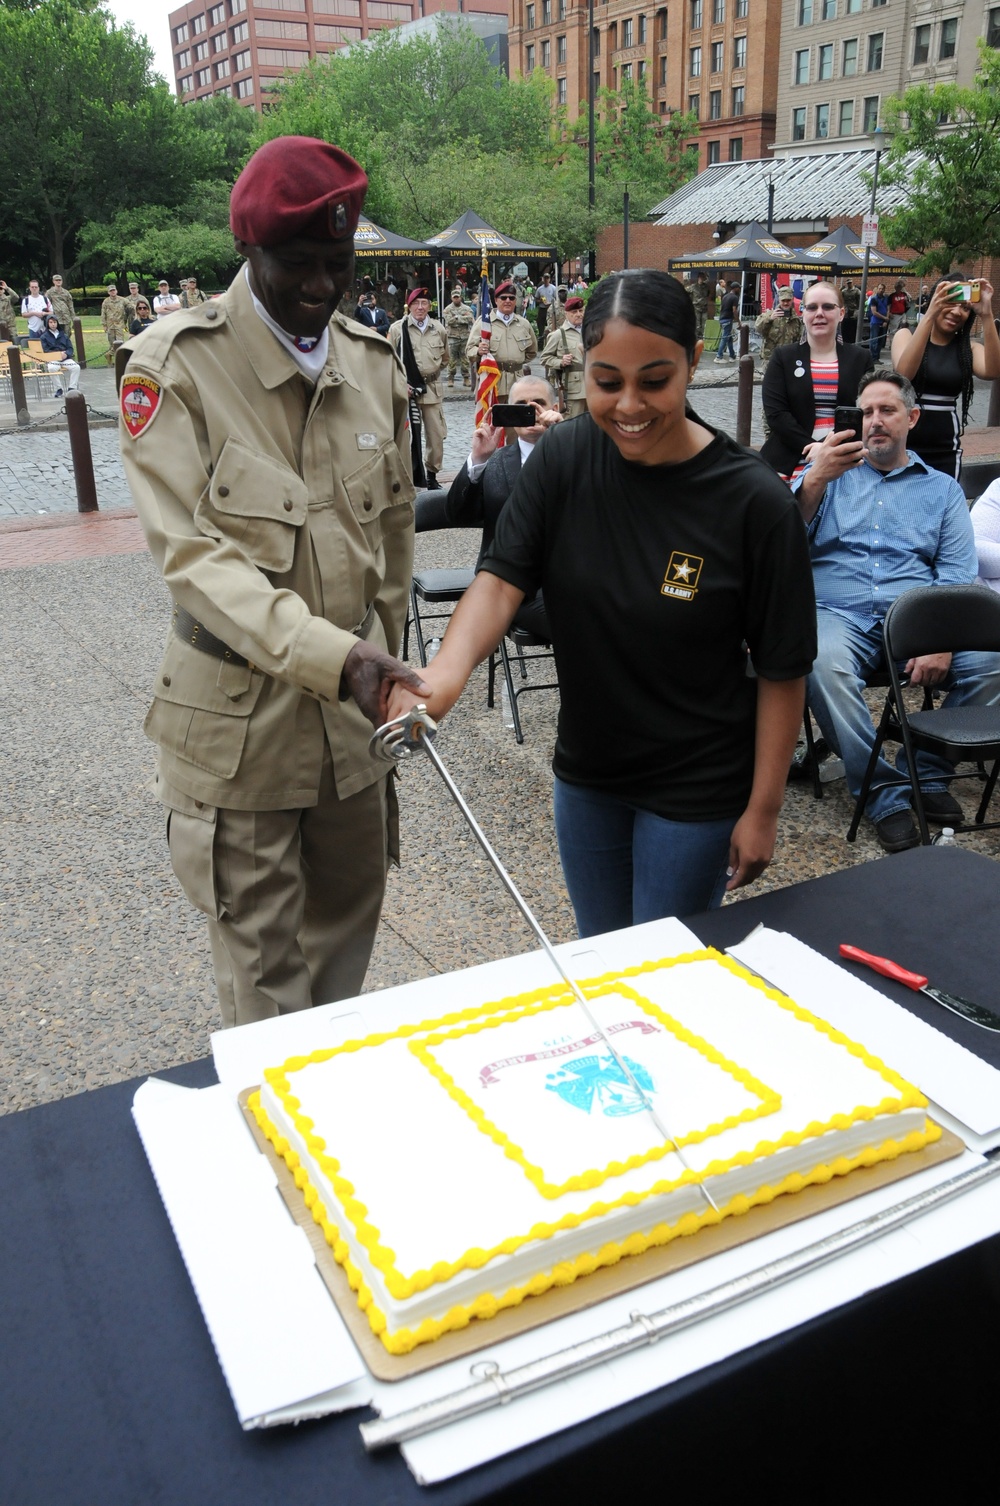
{"x": 140, "y": 400}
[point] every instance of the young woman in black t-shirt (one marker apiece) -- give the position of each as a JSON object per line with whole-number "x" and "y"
{"x": 663, "y": 549}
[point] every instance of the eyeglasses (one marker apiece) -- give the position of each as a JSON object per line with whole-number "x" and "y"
{"x": 505, "y": 298}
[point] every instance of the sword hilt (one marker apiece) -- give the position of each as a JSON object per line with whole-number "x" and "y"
{"x": 405, "y": 734}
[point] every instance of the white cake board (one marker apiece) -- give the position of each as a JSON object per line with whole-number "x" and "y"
{"x": 285, "y": 1352}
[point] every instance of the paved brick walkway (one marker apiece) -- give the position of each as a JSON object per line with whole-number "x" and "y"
{"x": 47, "y": 541}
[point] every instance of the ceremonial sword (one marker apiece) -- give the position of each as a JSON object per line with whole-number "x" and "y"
{"x": 415, "y": 731}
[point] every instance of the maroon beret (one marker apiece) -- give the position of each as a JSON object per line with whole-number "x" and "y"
{"x": 505, "y": 287}
{"x": 297, "y": 186}
{"x": 415, "y": 294}
{"x": 574, "y": 303}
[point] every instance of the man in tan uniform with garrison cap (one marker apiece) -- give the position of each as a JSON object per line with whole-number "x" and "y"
{"x": 563, "y": 360}
{"x": 429, "y": 344}
{"x": 264, "y": 439}
{"x": 512, "y": 342}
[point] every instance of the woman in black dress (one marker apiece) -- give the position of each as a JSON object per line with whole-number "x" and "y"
{"x": 941, "y": 359}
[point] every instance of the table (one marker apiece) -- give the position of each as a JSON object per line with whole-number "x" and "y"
{"x": 111, "y": 1395}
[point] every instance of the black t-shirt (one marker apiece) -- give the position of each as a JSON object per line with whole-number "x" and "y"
{"x": 729, "y": 304}
{"x": 655, "y": 577}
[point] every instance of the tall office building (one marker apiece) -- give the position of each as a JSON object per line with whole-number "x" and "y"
{"x": 240, "y": 47}
{"x": 716, "y": 58}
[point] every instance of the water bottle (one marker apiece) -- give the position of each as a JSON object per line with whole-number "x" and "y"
{"x": 945, "y": 837}
{"x": 432, "y": 648}
{"x": 506, "y": 708}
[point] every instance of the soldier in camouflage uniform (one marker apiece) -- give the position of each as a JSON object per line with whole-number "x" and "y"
{"x": 559, "y": 308}
{"x": 130, "y": 302}
{"x": 61, "y": 300}
{"x": 780, "y": 325}
{"x": 191, "y": 294}
{"x": 697, "y": 291}
{"x": 9, "y": 302}
{"x": 458, "y": 321}
{"x": 114, "y": 320}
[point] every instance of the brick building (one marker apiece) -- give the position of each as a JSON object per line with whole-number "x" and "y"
{"x": 716, "y": 58}
{"x": 239, "y": 47}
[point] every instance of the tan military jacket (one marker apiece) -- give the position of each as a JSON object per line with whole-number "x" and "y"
{"x": 458, "y": 320}
{"x": 567, "y": 339}
{"x": 61, "y": 300}
{"x": 430, "y": 349}
{"x": 114, "y": 314}
{"x": 513, "y": 344}
{"x": 778, "y": 329}
{"x": 281, "y": 517}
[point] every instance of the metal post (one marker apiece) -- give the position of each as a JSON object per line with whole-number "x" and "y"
{"x": 744, "y": 396}
{"x": 17, "y": 391}
{"x": 625, "y": 204}
{"x": 770, "y": 207}
{"x": 79, "y": 443}
{"x": 993, "y": 417}
{"x": 591, "y": 146}
{"x": 859, "y": 337}
{"x": 81, "y": 349}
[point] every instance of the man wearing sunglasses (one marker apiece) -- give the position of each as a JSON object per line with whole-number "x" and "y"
{"x": 512, "y": 342}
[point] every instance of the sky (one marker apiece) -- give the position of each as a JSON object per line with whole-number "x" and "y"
{"x": 149, "y": 17}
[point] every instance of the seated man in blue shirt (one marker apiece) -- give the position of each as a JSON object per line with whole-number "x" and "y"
{"x": 881, "y": 522}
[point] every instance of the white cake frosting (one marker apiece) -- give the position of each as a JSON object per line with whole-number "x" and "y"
{"x": 458, "y": 1165}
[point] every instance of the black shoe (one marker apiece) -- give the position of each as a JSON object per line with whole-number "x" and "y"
{"x": 897, "y": 832}
{"x": 942, "y": 809}
{"x": 433, "y": 484}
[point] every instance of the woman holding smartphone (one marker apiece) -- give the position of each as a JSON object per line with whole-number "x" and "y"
{"x": 940, "y": 358}
{"x": 664, "y": 550}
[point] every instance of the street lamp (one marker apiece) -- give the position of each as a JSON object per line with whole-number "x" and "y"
{"x": 880, "y": 139}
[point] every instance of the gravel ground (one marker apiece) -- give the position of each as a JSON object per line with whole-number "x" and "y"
{"x": 105, "y": 969}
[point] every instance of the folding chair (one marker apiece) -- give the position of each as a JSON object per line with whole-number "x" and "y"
{"x": 522, "y": 639}
{"x": 937, "y": 620}
{"x": 436, "y": 587}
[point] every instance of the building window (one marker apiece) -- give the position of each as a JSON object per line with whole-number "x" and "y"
{"x": 286, "y": 31}
{"x": 845, "y": 122}
{"x": 742, "y": 8}
{"x": 203, "y": 77}
{"x": 244, "y": 89}
{"x": 184, "y": 58}
{"x": 529, "y": 17}
{"x": 201, "y": 52}
{"x": 717, "y": 59}
{"x": 561, "y": 10}
{"x": 949, "y": 38}
{"x": 282, "y": 57}
{"x": 546, "y": 12}
{"x": 800, "y": 73}
{"x": 849, "y": 66}
{"x": 561, "y": 94}
{"x": 185, "y": 85}
{"x": 337, "y": 7}
{"x": 220, "y": 42}
{"x": 180, "y": 34}
{"x": 217, "y": 15}
{"x": 695, "y": 15}
{"x": 222, "y": 69}
{"x": 877, "y": 3}
{"x": 626, "y": 73}
{"x": 663, "y": 24}
{"x": 822, "y": 122}
{"x": 715, "y": 105}
{"x": 875, "y": 42}
{"x": 237, "y": 7}
{"x": 870, "y": 117}
{"x": 694, "y": 105}
{"x": 641, "y": 66}
{"x": 627, "y": 32}
{"x": 529, "y": 59}
{"x": 714, "y": 152}
{"x": 736, "y": 149}
{"x": 805, "y": 12}
{"x": 642, "y": 29}
{"x": 799, "y": 124}
{"x": 560, "y": 49}
{"x": 718, "y": 12}
{"x": 825, "y": 62}
{"x": 241, "y": 61}
{"x": 739, "y": 100}
{"x": 663, "y": 71}
{"x": 338, "y": 35}
{"x": 853, "y": 7}
{"x": 829, "y": 10}
{"x": 993, "y": 27}
{"x": 198, "y": 25}
{"x": 739, "y": 52}
{"x": 241, "y": 33}
{"x": 694, "y": 62}
{"x": 546, "y": 53}
{"x": 921, "y": 44}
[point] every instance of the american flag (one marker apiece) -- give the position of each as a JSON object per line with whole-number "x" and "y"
{"x": 489, "y": 371}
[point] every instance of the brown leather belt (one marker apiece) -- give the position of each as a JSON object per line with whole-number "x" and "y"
{"x": 511, "y": 365}
{"x": 196, "y": 633}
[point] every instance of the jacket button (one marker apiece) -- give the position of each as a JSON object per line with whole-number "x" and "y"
{"x": 199, "y": 805}
{"x": 166, "y": 679}
{"x": 368, "y": 506}
{"x": 211, "y": 313}
{"x": 395, "y": 486}
{"x": 223, "y": 491}
{"x": 236, "y": 697}
{"x": 288, "y": 504}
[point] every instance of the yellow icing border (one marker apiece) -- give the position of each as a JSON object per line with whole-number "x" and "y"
{"x": 584, "y": 1181}
{"x": 383, "y": 1259}
{"x": 405, "y": 1340}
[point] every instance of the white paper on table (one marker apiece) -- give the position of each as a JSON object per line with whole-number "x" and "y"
{"x": 283, "y": 1348}
{"x": 954, "y": 1078}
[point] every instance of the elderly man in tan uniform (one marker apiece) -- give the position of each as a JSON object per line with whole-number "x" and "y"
{"x": 264, "y": 439}
{"x": 429, "y": 343}
{"x": 562, "y": 358}
{"x": 513, "y": 340}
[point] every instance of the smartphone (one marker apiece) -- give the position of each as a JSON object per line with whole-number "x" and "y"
{"x": 965, "y": 292}
{"x": 513, "y": 415}
{"x": 848, "y": 418}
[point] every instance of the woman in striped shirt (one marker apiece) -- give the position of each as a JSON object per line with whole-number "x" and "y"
{"x": 803, "y": 384}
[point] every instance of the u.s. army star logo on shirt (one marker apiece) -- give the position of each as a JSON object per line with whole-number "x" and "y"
{"x": 681, "y": 579}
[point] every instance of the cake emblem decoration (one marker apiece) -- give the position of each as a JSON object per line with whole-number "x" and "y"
{"x": 601, "y": 1078}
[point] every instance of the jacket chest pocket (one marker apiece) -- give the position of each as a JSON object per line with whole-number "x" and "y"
{"x": 257, "y": 503}
{"x": 379, "y": 486}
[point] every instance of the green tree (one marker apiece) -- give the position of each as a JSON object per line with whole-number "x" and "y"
{"x": 945, "y": 156}
{"x": 152, "y": 241}
{"x": 648, "y": 152}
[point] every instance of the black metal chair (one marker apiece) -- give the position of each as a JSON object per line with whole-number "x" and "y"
{"x": 537, "y": 649}
{"x": 434, "y": 587}
{"x": 937, "y": 620}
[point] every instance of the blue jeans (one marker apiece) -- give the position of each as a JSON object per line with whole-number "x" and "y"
{"x": 725, "y": 338}
{"x": 624, "y": 866}
{"x": 876, "y": 340}
{"x": 846, "y": 653}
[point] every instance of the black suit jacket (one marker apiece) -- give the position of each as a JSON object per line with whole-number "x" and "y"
{"x": 482, "y": 501}
{"x": 789, "y": 402}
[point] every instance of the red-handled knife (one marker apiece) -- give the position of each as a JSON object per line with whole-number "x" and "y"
{"x": 977, "y": 1014}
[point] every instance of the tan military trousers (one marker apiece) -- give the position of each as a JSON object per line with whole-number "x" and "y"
{"x": 293, "y": 897}
{"x": 435, "y": 429}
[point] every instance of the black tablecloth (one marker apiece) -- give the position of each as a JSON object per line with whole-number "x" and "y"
{"x": 111, "y": 1394}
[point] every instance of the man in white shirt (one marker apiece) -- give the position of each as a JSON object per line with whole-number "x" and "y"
{"x": 165, "y": 302}
{"x": 35, "y": 307}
